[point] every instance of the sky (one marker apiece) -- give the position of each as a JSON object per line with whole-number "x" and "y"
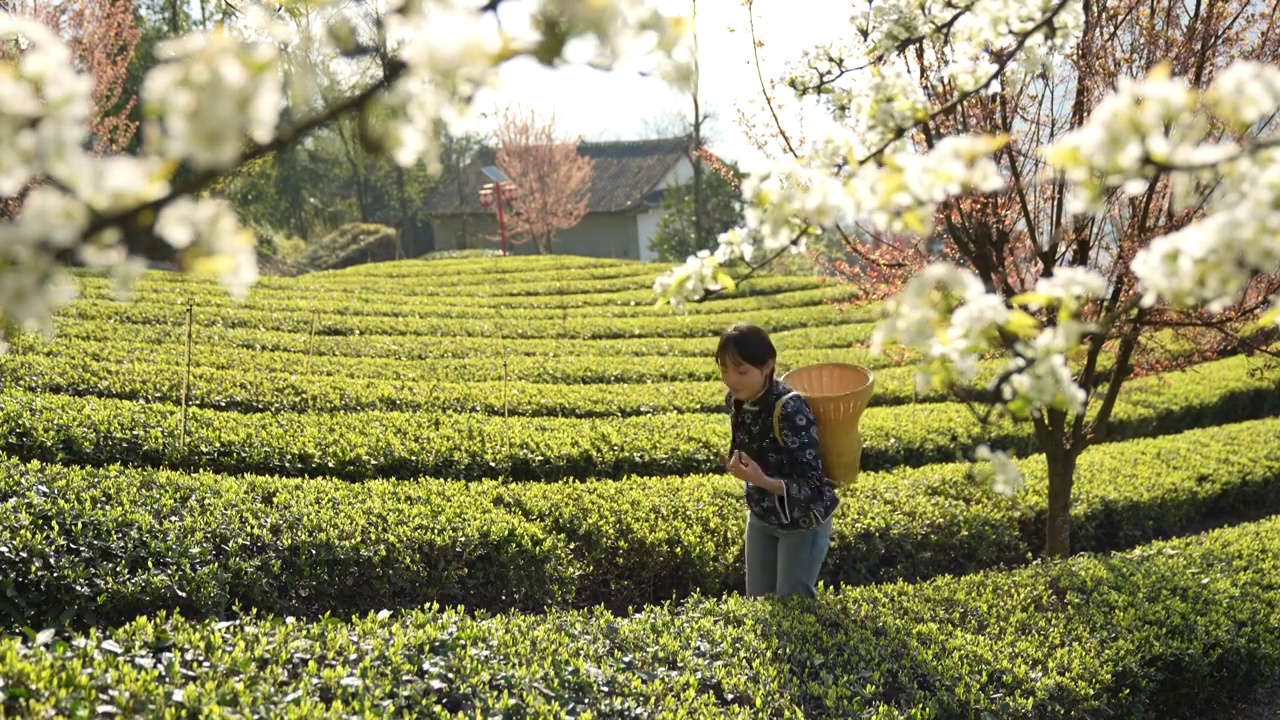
{"x": 624, "y": 105}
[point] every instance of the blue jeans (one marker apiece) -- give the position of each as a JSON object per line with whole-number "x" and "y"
{"x": 784, "y": 562}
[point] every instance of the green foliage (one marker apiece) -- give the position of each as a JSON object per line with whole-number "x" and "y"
{"x": 676, "y": 238}
{"x": 1144, "y": 634}
{"x": 35, "y": 365}
{"x": 456, "y": 254}
{"x": 352, "y": 244}
{"x": 444, "y": 324}
{"x": 618, "y": 285}
{"x": 115, "y": 543}
{"x": 479, "y": 348}
{"x": 530, "y": 435}
{"x": 330, "y": 180}
{"x": 532, "y": 385}
{"x": 360, "y": 445}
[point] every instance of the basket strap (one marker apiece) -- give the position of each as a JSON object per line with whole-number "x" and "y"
{"x": 777, "y": 414}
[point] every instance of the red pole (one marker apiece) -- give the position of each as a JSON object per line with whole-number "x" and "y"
{"x": 497, "y": 190}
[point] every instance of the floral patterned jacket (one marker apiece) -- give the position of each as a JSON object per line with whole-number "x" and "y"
{"x": 810, "y": 497}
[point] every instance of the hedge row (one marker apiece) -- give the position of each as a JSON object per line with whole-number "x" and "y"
{"x": 105, "y": 545}
{"x": 416, "y": 347}
{"x": 424, "y": 268}
{"x": 543, "y": 368}
{"x": 361, "y": 445}
{"x": 427, "y": 266}
{"x": 257, "y": 389}
{"x": 369, "y": 301}
{"x": 504, "y": 266}
{"x": 602, "y": 291}
{"x": 451, "y": 275}
{"x": 1165, "y": 631}
{"x": 519, "y": 384}
{"x": 509, "y": 326}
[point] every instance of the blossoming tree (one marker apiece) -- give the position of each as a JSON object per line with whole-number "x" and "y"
{"x": 553, "y": 179}
{"x": 1083, "y": 164}
{"x": 101, "y": 37}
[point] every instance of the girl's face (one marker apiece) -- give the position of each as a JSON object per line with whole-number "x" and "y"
{"x": 745, "y": 381}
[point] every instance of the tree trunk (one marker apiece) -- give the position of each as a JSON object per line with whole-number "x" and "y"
{"x": 698, "y": 202}
{"x": 357, "y": 173}
{"x": 1062, "y": 469}
{"x": 404, "y": 211}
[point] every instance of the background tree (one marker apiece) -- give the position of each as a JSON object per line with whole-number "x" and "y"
{"x": 336, "y": 176}
{"x": 698, "y": 148}
{"x": 678, "y": 233}
{"x": 456, "y": 153}
{"x": 552, "y": 179}
{"x": 102, "y": 36}
{"x": 1014, "y": 238}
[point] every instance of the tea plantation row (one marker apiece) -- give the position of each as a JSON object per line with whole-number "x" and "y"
{"x": 379, "y": 393}
{"x": 426, "y": 346}
{"x": 288, "y": 389}
{"x": 551, "y": 367}
{"x": 99, "y": 296}
{"x": 513, "y": 325}
{"x": 100, "y": 546}
{"x": 371, "y": 444}
{"x": 546, "y": 290}
{"x": 1143, "y": 634}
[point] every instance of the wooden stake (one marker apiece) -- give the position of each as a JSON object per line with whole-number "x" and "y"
{"x": 186, "y": 379}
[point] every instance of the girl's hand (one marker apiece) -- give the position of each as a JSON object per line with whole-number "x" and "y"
{"x": 747, "y": 470}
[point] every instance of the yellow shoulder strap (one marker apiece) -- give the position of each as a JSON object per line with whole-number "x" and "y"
{"x": 777, "y": 414}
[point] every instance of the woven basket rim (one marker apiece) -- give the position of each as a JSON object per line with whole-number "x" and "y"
{"x": 871, "y": 378}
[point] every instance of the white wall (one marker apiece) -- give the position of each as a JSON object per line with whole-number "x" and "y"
{"x": 680, "y": 173}
{"x": 647, "y": 220}
{"x": 647, "y": 227}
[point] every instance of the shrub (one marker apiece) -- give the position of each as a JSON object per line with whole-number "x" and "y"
{"x": 1165, "y": 630}
{"x": 351, "y": 244}
{"x": 105, "y": 545}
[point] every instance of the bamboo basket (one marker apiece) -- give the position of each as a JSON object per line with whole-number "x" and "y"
{"x": 837, "y": 393}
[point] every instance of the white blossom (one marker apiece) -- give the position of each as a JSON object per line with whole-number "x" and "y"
{"x": 1142, "y": 124}
{"x": 734, "y": 243}
{"x": 45, "y": 105}
{"x": 448, "y": 43}
{"x": 1039, "y": 376}
{"x": 1006, "y": 477}
{"x": 48, "y": 216}
{"x": 799, "y": 198}
{"x": 700, "y": 275}
{"x": 971, "y": 31}
{"x": 118, "y": 182}
{"x": 212, "y": 94}
{"x": 944, "y": 313}
{"x": 1210, "y": 261}
{"x": 1245, "y": 93}
{"x": 211, "y": 240}
{"x": 1068, "y": 284}
{"x": 30, "y": 294}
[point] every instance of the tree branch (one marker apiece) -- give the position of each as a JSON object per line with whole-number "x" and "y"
{"x": 127, "y": 219}
{"x": 755, "y": 51}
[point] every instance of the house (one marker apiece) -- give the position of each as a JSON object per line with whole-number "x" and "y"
{"x": 627, "y": 183}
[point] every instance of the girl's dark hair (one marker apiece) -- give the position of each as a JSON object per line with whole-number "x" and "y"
{"x": 746, "y": 343}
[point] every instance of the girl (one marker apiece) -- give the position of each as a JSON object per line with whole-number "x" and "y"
{"x": 790, "y": 501}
